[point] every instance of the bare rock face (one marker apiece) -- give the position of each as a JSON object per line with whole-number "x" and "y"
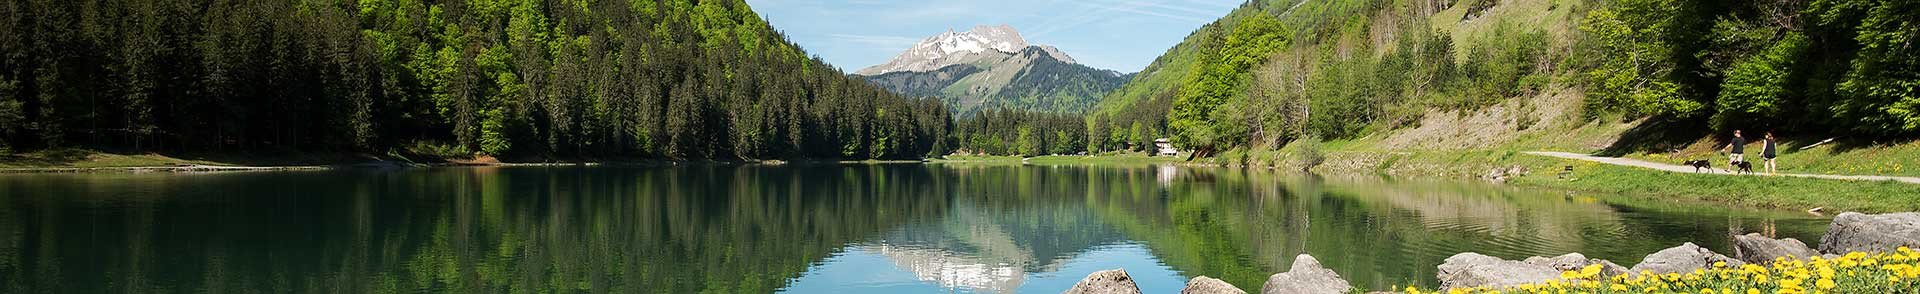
{"x": 1306, "y": 277}
{"x": 1576, "y": 261}
{"x": 1471, "y": 270}
{"x": 1206, "y": 285}
{"x": 1856, "y": 232}
{"x": 1682, "y": 259}
{"x": 952, "y": 48}
{"x": 1113, "y": 281}
{"x": 1757, "y": 249}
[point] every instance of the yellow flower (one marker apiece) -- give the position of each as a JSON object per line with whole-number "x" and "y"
{"x": 1824, "y": 284}
{"x": 1753, "y": 291}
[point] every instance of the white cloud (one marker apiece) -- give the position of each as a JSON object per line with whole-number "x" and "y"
{"x": 1228, "y": 4}
{"x": 1107, "y": 10}
{"x": 888, "y": 42}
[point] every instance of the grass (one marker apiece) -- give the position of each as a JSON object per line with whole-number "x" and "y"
{"x": 1839, "y": 158}
{"x": 1764, "y": 192}
{"x": 76, "y": 158}
{"x": 1592, "y": 177}
{"x": 88, "y": 158}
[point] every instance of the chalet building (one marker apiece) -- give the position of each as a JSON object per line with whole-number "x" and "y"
{"x": 1164, "y": 147}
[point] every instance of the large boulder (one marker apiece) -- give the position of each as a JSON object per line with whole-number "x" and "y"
{"x": 1682, "y": 259}
{"x": 1205, "y": 285}
{"x": 1576, "y": 261}
{"x": 1855, "y": 232}
{"x": 1471, "y": 270}
{"x": 1757, "y": 249}
{"x": 1113, "y": 281}
{"x": 1306, "y": 277}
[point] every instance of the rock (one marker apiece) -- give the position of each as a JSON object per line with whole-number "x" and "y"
{"x": 1501, "y": 175}
{"x": 1205, "y": 285}
{"x": 1757, "y": 249}
{"x": 1855, "y": 232}
{"x": 1471, "y": 270}
{"x": 1105, "y": 282}
{"x": 1682, "y": 259}
{"x": 1576, "y": 261}
{"x": 1306, "y": 277}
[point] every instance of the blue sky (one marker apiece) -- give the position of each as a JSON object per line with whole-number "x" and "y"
{"x": 1122, "y": 35}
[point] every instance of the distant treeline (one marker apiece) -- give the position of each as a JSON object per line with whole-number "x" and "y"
{"x": 1017, "y": 132}
{"x": 525, "y": 78}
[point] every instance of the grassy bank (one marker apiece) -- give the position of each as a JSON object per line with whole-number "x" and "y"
{"x": 1764, "y": 192}
{"x": 81, "y": 158}
{"x": 1839, "y": 157}
{"x": 1515, "y": 168}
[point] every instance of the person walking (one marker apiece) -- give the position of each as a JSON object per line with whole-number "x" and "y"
{"x": 1767, "y": 152}
{"x": 1737, "y": 150}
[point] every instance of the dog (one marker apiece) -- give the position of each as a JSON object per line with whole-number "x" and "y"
{"x": 1700, "y": 164}
{"x": 1746, "y": 167}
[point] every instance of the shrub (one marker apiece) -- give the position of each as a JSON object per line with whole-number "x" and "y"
{"x": 1307, "y": 150}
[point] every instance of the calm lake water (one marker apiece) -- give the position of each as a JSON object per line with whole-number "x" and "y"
{"x": 904, "y": 228}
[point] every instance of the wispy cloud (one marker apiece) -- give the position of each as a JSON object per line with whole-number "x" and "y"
{"x": 1182, "y": 9}
{"x": 1228, "y": 4}
{"x": 887, "y": 42}
{"x": 1139, "y": 8}
{"x": 1098, "y": 10}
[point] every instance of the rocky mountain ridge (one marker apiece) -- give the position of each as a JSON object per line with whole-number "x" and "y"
{"x": 993, "y": 66}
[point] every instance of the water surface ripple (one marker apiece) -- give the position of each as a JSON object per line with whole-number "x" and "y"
{"x": 889, "y": 228}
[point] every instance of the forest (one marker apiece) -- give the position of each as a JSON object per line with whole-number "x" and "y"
{"x": 512, "y": 78}
{"x": 712, "y": 80}
{"x": 1002, "y": 131}
{"x": 1277, "y": 71}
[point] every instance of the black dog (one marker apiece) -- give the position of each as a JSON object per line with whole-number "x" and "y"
{"x": 1700, "y": 164}
{"x": 1745, "y": 166}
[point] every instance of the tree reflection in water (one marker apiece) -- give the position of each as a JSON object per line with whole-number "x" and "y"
{"x": 757, "y": 229}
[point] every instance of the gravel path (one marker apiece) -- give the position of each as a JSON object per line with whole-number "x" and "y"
{"x": 1689, "y": 169}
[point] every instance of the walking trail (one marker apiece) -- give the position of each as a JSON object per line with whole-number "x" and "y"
{"x": 1689, "y": 169}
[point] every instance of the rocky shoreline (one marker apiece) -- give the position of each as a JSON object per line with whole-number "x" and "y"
{"x": 1850, "y": 232}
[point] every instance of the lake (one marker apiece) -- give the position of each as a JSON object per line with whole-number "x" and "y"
{"x": 881, "y": 228}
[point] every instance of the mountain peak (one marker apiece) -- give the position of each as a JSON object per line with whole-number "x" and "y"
{"x": 951, "y": 48}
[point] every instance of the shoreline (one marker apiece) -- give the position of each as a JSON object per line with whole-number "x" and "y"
{"x": 1854, "y": 243}
{"x": 1502, "y": 167}
{"x": 1519, "y": 169}
{"x": 394, "y": 165}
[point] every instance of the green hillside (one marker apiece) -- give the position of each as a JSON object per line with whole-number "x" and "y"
{"x": 1484, "y": 73}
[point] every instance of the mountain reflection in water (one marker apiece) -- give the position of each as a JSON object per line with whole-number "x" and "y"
{"x": 888, "y": 228}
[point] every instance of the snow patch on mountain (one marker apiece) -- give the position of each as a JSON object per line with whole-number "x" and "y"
{"x": 950, "y": 48}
